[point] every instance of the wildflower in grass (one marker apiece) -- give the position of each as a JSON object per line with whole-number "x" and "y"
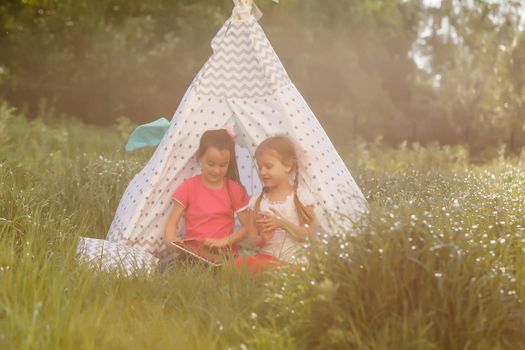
{"x": 327, "y": 290}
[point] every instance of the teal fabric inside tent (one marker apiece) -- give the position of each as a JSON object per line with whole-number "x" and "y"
{"x": 147, "y": 135}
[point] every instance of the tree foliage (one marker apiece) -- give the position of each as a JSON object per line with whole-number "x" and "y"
{"x": 398, "y": 70}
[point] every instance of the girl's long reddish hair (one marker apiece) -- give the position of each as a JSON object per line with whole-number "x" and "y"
{"x": 287, "y": 153}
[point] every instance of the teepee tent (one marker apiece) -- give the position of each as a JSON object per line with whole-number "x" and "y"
{"x": 243, "y": 85}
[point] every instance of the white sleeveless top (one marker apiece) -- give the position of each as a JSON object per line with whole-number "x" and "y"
{"x": 282, "y": 245}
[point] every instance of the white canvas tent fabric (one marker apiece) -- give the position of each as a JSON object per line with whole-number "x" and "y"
{"x": 243, "y": 85}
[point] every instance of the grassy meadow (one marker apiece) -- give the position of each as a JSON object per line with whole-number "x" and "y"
{"x": 439, "y": 264}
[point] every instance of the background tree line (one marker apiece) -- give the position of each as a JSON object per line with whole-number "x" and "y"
{"x": 450, "y": 71}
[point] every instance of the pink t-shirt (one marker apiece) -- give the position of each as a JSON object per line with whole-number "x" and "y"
{"x": 209, "y": 212}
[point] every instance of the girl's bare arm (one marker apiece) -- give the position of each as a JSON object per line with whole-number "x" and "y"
{"x": 254, "y": 236}
{"x": 243, "y": 230}
{"x": 170, "y": 233}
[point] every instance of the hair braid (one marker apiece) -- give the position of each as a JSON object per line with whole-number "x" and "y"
{"x": 257, "y": 207}
{"x": 233, "y": 173}
{"x": 302, "y": 213}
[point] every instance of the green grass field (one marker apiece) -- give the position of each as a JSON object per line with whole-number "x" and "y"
{"x": 439, "y": 263}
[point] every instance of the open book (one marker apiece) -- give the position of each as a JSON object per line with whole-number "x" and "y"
{"x": 196, "y": 250}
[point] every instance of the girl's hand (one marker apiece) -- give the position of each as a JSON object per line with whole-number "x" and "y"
{"x": 176, "y": 240}
{"x": 264, "y": 236}
{"x": 269, "y": 223}
{"x": 218, "y": 242}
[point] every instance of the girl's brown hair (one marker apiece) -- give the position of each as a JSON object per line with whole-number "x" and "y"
{"x": 284, "y": 147}
{"x": 221, "y": 140}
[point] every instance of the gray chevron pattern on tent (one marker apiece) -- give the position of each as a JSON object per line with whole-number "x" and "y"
{"x": 243, "y": 64}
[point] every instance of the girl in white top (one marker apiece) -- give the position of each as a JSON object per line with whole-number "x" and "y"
{"x": 282, "y": 216}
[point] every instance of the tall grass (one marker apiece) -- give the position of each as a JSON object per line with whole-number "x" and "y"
{"x": 438, "y": 264}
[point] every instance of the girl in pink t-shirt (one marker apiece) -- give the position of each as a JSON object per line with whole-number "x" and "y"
{"x": 209, "y": 201}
